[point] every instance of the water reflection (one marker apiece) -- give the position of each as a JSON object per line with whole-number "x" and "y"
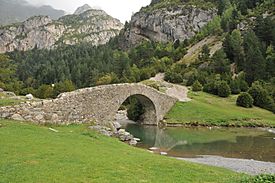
{"x": 190, "y": 142}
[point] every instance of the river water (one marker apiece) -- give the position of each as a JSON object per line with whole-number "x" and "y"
{"x": 242, "y": 143}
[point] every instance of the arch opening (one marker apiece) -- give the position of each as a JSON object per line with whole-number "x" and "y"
{"x": 140, "y": 109}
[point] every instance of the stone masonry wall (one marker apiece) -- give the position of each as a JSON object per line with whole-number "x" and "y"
{"x": 91, "y": 104}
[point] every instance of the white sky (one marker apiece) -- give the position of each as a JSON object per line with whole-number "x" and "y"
{"x": 121, "y": 9}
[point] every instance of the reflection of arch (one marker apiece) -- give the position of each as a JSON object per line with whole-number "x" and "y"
{"x": 149, "y": 116}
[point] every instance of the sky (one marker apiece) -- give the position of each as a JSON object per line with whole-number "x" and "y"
{"x": 121, "y": 9}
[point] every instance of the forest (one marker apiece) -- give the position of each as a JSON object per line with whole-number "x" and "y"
{"x": 245, "y": 63}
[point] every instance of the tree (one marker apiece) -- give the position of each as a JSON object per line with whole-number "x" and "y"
{"x": 223, "y": 89}
{"x": 261, "y": 97}
{"x": 270, "y": 59}
{"x": 220, "y": 63}
{"x": 233, "y": 48}
{"x": 254, "y": 66}
{"x": 235, "y": 87}
{"x": 135, "y": 109}
{"x": 223, "y": 5}
{"x": 264, "y": 29}
{"x": 205, "y": 53}
{"x": 245, "y": 100}
{"x": 44, "y": 92}
{"x": 196, "y": 86}
{"x": 65, "y": 86}
{"x": 107, "y": 79}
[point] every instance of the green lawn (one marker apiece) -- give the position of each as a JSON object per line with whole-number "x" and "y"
{"x": 206, "y": 109}
{"x": 7, "y": 102}
{"x": 31, "y": 153}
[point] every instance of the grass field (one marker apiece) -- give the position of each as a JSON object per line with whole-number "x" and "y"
{"x": 31, "y": 153}
{"x": 5, "y": 101}
{"x": 206, "y": 109}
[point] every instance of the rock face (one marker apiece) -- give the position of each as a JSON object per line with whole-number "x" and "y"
{"x": 167, "y": 24}
{"x": 93, "y": 26}
{"x": 82, "y": 9}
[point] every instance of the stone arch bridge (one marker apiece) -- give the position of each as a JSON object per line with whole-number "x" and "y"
{"x": 92, "y": 104}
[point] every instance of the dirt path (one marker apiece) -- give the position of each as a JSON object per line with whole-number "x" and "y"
{"x": 173, "y": 90}
{"x": 251, "y": 167}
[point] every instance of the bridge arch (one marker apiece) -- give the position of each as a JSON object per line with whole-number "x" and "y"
{"x": 149, "y": 114}
{"x": 92, "y": 104}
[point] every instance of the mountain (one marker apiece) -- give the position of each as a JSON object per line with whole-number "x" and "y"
{"x": 93, "y": 26}
{"x": 168, "y": 20}
{"x": 82, "y": 9}
{"x": 13, "y": 11}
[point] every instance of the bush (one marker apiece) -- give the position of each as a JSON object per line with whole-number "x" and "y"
{"x": 211, "y": 87}
{"x": 245, "y": 100}
{"x": 259, "y": 94}
{"x": 235, "y": 87}
{"x": 196, "y": 86}
{"x": 260, "y": 179}
{"x": 243, "y": 86}
{"x": 223, "y": 89}
{"x": 44, "y": 92}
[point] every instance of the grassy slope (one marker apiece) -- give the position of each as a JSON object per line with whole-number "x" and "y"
{"x": 5, "y": 101}
{"x": 206, "y": 109}
{"x": 31, "y": 153}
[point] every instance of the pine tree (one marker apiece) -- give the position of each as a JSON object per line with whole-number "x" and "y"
{"x": 254, "y": 66}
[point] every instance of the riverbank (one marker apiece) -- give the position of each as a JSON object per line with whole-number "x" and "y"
{"x": 31, "y": 153}
{"x": 251, "y": 167}
{"x": 209, "y": 110}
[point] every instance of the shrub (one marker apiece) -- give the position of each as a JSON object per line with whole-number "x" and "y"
{"x": 223, "y": 89}
{"x": 245, "y": 100}
{"x": 211, "y": 87}
{"x": 235, "y": 87}
{"x": 152, "y": 84}
{"x": 259, "y": 94}
{"x": 44, "y": 92}
{"x": 260, "y": 179}
{"x": 196, "y": 86}
{"x": 243, "y": 86}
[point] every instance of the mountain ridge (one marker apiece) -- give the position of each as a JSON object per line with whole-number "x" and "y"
{"x": 93, "y": 26}
{"x": 14, "y": 11}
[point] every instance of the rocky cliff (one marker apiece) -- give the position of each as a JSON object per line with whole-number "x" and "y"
{"x": 94, "y": 26}
{"x": 177, "y": 22}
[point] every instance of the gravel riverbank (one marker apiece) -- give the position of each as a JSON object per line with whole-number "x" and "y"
{"x": 251, "y": 167}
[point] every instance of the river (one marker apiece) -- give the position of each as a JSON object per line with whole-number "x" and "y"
{"x": 241, "y": 143}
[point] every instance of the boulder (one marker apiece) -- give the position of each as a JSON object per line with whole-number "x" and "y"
{"x": 1, "y": 90}
{"x": 10, "y": 94}
{"x": 29, "y": 97}
{"x": 117, "y": 125}
{"x": 17, "y": 117}
{"x": 133, "y": 142}
{"x": 102, "y": 130}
